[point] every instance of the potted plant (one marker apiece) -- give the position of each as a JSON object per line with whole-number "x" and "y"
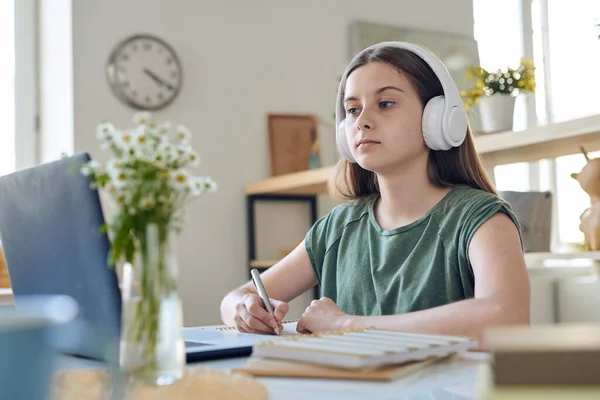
{"x": 148, "y": 180}
{"x": 496, "y": 91}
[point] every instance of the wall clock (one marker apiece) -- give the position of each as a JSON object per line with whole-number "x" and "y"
{"x": 144, "y": 72}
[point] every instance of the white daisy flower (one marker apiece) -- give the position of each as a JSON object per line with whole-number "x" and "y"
{"x": 142, "y": 137}
{"x": 193, "y": 158}
{"x": 142, "y": 118}
{"x": 180, "y": 178}
{"x": 127, "y": 138}
{"x": 197, "y": 186}
{"x": 122, "y": 197}
{"x": 90, "y": 168}
{"x": 183, "y": 134}
{"x": 131, "y": 152}
{"x": 201, "y": 185}
{"x": 166, "y": 152}
{"x": 118, "y": 178}
{"x": 210, "y": 185}
{"x": 147, "y": 202}
{"x": 117, "y": 144}
{"x": 113, "y": 164}
{"x": 164, "y": 128}
{"x": 183, "y": 153}
{"x": 105, "y": 131}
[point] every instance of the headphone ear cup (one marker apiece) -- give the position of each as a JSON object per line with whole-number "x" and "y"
{"x": 456, "y": 126}
{"x": 432, "y": 124}
{"x": 342, "y": 142}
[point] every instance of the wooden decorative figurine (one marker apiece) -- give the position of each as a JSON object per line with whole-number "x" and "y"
{"x": 589, "y": 180}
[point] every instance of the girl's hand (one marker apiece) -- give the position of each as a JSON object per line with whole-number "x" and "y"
{"x": 251, "y": 317}
{"x": 322, "y": 315}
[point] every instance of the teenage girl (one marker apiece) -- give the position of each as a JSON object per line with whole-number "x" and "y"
{"x": 422, "y": 242}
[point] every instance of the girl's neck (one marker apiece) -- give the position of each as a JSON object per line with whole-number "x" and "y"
{"x": 406, "y": 195}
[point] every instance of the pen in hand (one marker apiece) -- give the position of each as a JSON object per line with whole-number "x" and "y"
{"x": 260, "y": 288}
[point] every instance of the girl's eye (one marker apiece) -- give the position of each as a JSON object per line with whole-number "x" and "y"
{"x": 352, "y": 110}
{"x": 386, "y": 104}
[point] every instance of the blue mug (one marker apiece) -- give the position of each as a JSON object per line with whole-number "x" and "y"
{"x": 27, "y": 354}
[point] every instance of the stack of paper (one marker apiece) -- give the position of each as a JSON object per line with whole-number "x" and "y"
{"x": 368, "y": 348}
{"x": 368, "y": 354}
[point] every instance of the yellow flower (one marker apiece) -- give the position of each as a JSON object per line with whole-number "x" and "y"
{"x": 485, "y": 83}
{"x": 528, "y": 63}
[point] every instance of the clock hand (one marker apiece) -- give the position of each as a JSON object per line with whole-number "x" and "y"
{"x": 157, "y": 79}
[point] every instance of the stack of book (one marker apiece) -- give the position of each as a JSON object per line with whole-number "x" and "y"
{"x": 366, "y": 354}
{"x": 541, "y": 362}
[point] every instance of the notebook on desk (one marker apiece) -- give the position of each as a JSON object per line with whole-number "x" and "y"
{"x": 222, "y": 341}
{"x": 289, "y": 328}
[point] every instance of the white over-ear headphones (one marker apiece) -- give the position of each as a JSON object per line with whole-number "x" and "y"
{"x": 444, "y": 121}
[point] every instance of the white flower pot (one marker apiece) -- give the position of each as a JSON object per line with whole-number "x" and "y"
{"x": 497, "y": 113}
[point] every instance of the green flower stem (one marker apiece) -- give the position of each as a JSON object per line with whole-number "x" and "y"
{"x": 156, "y": 283}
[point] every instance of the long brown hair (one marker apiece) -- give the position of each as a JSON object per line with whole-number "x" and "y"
{"x": 458, "y": 166}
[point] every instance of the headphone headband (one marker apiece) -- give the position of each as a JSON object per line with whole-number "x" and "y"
{"x": 451, "y": 117}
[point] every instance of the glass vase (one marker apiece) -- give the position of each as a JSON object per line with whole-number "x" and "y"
{"x": 152, "y": 349}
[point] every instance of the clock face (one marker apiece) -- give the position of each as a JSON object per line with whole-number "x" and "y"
{"x": 144, "y": 72}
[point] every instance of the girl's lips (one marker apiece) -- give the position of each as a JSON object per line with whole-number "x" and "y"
{"x": 365, "y": 144}
{"x": 367, "y": 141}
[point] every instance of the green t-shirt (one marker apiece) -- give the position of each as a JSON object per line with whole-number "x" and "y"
{"x": 367, "y": 270}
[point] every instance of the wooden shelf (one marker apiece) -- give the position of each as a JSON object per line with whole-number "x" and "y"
{"x": 6, "y": 297}
{"x": 584, "y": 255}
{"x": 306, "y": 182}
{"x": 263, "y": 263}
{"x": 549, "y": 141}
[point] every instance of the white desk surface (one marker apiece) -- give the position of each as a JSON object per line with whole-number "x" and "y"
{"x": 448, "y": 380}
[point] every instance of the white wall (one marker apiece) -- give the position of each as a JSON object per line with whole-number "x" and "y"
{"x": 241, "y": 60}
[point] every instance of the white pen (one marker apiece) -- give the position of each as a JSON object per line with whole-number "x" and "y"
{"x": 260, "y": 288}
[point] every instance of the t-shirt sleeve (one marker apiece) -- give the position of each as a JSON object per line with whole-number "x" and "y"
{"x": 315, "y": 242}
{"x": 478, "y": 213}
